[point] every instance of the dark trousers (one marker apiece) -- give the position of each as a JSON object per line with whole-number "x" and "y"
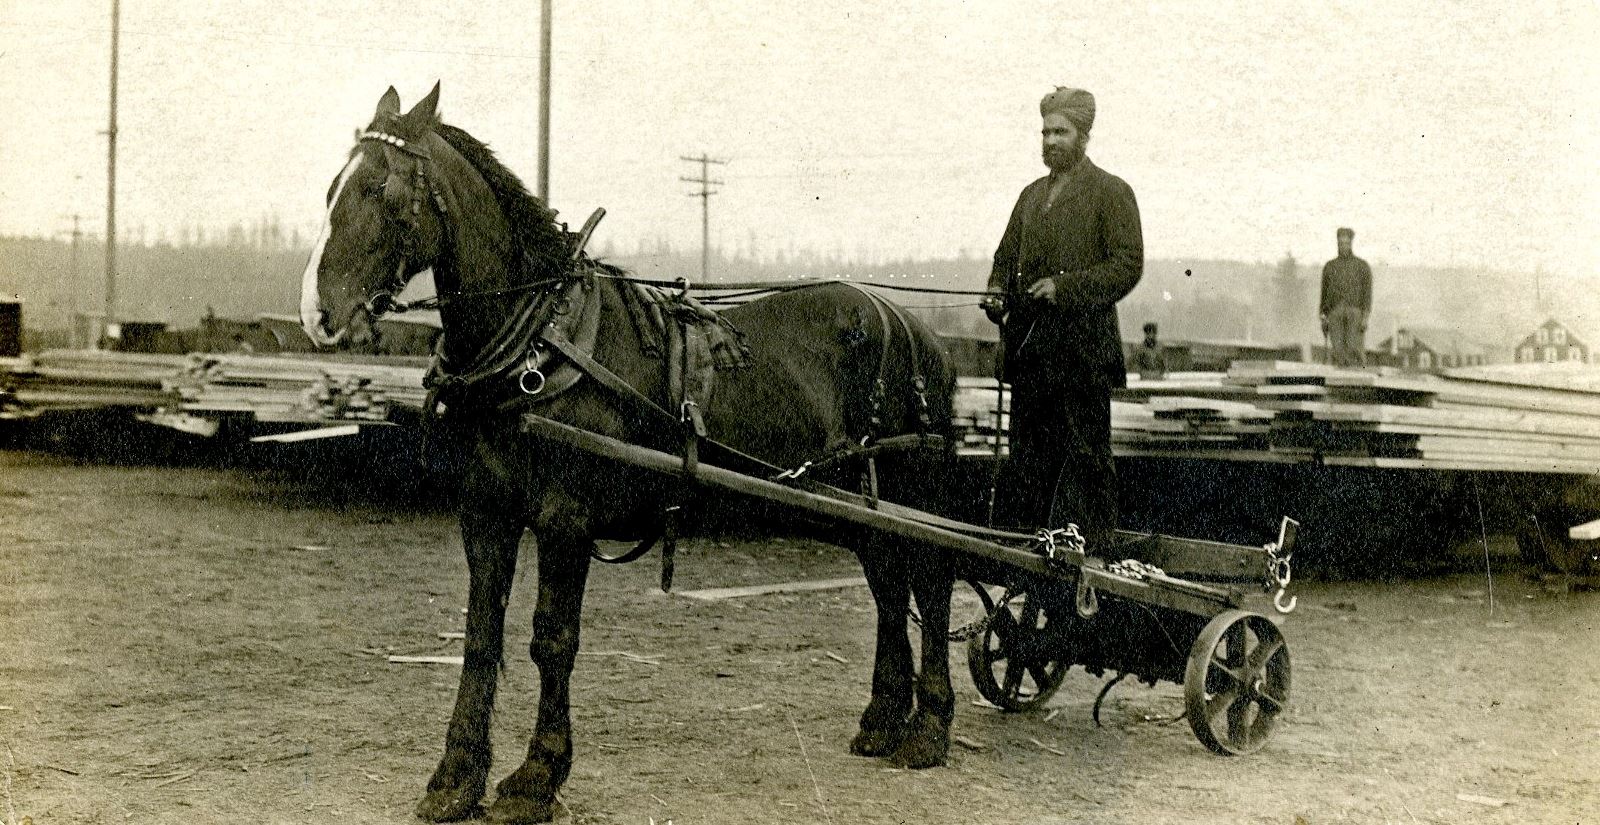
{"x": 1060, "y": 470}
{"x": 1347, "y": 327}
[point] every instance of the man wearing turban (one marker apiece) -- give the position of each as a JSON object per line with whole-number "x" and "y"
{"x": 1346, "y": 302}
{"x": 1072, "y": 249}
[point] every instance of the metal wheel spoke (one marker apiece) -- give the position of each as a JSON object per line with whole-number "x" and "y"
{"x": 1040, "y": 671}
{"x": 1238, "y": 730}
{"x": 1030, "y": 616}
{"x": 1013, "y": 677}
{"x": 1004, "y": 627}
{"x": 1222, "y": 701}
{"x": 1263, "y": 654}
{"x": 1271, "y": 703}
{"x": 1219, "y": 666}
{"x": 1235, "y": 639}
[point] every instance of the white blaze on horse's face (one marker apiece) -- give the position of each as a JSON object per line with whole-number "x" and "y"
{"x": 312, "y": 316}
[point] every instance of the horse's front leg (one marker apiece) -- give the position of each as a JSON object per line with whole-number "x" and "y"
{"x": 927, "y": 741}
{"x": 490, "y": 537}
{"x": 883, "y": 723}
{"x": 529, "y": 793}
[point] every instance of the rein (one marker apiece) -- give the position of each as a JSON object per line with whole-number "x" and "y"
{"x": 742, "y": 289}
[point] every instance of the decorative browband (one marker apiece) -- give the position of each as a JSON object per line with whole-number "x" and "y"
{"x": 395, "y": 141}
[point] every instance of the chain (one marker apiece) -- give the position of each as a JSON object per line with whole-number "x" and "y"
{"x": 1134, "y": 569}
{"x": 1060, "y": 545}
{"x": 974, "y": 628}
{"x": 1279, "y": 573}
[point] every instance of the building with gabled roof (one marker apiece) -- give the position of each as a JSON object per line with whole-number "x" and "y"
{"x": 1552, "y": 342}
{"x": 1432, "y": 348}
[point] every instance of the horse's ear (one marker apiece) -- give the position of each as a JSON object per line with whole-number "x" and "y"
{"x": 426, "y": 111}
{"x": 389, "y": 104}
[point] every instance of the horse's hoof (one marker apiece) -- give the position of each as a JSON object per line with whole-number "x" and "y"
{"x": 877, "y": 742}
{"x": 927, "y": 745}
{"x": 450, "y": 804}
{"x": 520, "y": 810}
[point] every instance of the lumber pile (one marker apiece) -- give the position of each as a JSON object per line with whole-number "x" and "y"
{"x": 281, "y": 388}
{"x": 1470, "y": 419}
{"x": 300, "y": 389}
{"x": 85, "y": 379}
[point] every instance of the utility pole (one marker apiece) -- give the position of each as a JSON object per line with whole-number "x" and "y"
{"x": 77, "y": 272}
{"x": 111, "y": 175}
{"x": 73, "y": 285}
{"x": 544, "y": 102}
{"x": 704, "y": 195}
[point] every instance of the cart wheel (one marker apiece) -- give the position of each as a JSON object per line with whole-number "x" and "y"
{"x": 1237, "y": 682}
{"x": 1011, "y": 662}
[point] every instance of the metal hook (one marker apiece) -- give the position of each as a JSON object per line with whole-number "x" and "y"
{"x": 1087, "y": 603}
{"x": 795, "y": 473}
{"x": 1277, "y": 602}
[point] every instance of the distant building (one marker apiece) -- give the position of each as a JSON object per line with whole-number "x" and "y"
{"x": 1552, "y": 342}
{"x": 1432, "y": 348}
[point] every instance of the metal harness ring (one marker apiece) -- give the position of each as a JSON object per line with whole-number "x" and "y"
{"x": 522, "y": 382}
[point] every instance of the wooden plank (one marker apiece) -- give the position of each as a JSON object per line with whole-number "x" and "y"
{"x": 309, "y": 435}
{"x": 1448, "y": 415}
{"x": 1465, "y": 462}
{"x": 713, "y": 594}
{"x": 426, "y": 660}
{"x": 1498, "y": 446}
{"x": 1587, "y": 531}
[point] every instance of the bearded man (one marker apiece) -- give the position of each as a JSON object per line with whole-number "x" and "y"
{"x": 1072, "y": 249}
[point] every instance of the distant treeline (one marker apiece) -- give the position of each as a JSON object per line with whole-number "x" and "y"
{"x": 244, "y": 273}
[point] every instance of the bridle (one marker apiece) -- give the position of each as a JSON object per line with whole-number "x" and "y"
{"x": 383, "y": 300}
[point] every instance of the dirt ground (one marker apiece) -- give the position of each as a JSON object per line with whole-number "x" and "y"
{"x": 205, "y": 645}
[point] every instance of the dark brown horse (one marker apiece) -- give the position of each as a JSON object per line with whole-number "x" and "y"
{"x": 417, "y": 194}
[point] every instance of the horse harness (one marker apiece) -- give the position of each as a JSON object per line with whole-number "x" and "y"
{"x": 559, "y": 316}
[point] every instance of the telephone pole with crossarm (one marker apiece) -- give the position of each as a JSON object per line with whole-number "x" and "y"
{"x": 704, "y": 195}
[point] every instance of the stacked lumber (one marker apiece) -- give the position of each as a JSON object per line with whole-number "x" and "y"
{"x": 975, "y": 416}
{"x": 1268, "y": 411}
{"x": 85, "y": 379}
{"x": 300, "y": 389}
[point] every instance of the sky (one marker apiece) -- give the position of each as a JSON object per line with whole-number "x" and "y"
{"x": 1444, "y": 133}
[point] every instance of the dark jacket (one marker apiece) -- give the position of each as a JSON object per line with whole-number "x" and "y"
{"x": 1346, "y": 281}
{"x": 1091, "y": 243}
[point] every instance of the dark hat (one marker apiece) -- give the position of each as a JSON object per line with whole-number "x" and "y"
{"x": 1076, "y": 104}
{"x": 1150, "y": 326}
{"x": 1345, "y": 232}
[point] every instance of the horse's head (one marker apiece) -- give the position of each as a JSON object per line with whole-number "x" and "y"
{"x": 384, "y": 224}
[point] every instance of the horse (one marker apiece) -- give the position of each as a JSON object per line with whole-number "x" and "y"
{"x": 418, "y": 194}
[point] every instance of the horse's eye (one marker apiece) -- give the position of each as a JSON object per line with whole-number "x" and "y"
{"x": 376, "y": 190}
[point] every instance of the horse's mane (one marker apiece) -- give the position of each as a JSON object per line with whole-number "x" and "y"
{"x": 533, "y": 225}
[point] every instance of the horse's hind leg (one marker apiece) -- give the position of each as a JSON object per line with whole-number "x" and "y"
{"x": 927, "y": 741}
{"x": 490, "y": 537}
{"x": 528, "y": 794}
{"x": 883, "y": 723}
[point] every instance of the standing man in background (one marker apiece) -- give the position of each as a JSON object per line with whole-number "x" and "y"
{"x": 1346, "y": 302}
{"x": 1148, "y": 360}
{"x": 1072, "y": 249}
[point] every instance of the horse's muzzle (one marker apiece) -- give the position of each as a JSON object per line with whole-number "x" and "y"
{"x": 316, "y": 328}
